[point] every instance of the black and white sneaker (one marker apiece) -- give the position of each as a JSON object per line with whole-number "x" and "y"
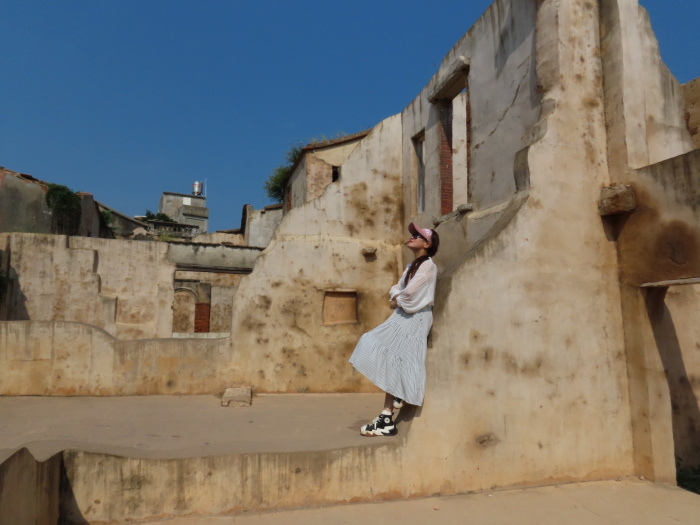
{"x": 383, "y": 425}
{"x": 398, "y": 403}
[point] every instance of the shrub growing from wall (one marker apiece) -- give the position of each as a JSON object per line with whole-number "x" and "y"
{"x": 66, "y": 209}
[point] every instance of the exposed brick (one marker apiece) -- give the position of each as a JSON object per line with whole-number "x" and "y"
{"x": 446, "y": 187}
{"x": 201, "y": 317}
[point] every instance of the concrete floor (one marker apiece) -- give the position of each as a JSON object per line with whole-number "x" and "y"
{"x": 184, "y": 426}
{"x": 596, "y": 503}
{"x": 190, "y": 426}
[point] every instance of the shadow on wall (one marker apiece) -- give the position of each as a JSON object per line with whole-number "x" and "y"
{"x": 13, "y": 303}
{"x": 69, "y": 510}
{"x": 684, "y": 404}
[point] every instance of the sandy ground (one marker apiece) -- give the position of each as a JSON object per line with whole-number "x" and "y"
{"x": 188, "y": 426}
{"x": 597, "y": 503}
{"x": 184, "y": 426}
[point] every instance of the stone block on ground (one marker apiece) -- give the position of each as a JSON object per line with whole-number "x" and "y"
{"x": 237, "y": 396}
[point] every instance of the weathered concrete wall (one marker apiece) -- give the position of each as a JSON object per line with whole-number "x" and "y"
{"x": 660, "y": 242}
{"x": 124, "y": 287}
{"x": 500, "y": 106}
{"x": 278, "y": 318}
{"x": 527, "y": 351}
{"x": 643, "y": 102}
{"x": 90, "y": 222}
{"x": 678, "y": 333}
{"x": 691, "y": 94}
{"x": 295, "y": 193}
{"x": 234, "y": 239}
{"x": 315, "y": 169}
{"x": 66, "y": 359}
{"x": 222, "y": 299}
{"x": 645, "y": 117}
{"x": 223, "y": 294}
{"x": 261, "y": 224}
{"x": 318, "y": 176}
{"x": 336, "y": 154}
{"x": 23, "y": 205}
{"x": 29, "y": 490}
{"x": 193, "y": 255}
{"x": 123, "y": 226}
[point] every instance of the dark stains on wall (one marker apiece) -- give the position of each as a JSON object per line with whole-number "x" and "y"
{"x": 372, "y": 209}
{"x": 654, "y": 248}
{"x": 487, "y": 440}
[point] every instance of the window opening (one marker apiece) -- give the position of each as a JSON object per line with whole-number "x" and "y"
{"x": 446, "y": 175}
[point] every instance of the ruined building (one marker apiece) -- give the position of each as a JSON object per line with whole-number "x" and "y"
{"x": 556, "y": 155}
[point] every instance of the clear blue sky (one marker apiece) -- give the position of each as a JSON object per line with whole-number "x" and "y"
{"x": 126, "y": 99}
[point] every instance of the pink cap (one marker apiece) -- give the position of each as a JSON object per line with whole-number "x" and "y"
{"x": 426, "y": 234}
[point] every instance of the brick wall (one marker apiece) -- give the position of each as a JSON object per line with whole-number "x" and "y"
{"x": 446, "y": 157}
{"x": 201, "y": 317}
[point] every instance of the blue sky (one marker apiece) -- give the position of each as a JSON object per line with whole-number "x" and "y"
{"x": 126, "y": 99}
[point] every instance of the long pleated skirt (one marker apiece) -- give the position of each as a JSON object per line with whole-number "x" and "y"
{"x": 392, "y": 355}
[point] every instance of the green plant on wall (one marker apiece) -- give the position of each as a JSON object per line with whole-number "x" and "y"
{"x": 66, "y": 209}
{"x": 109, "y": 220}
{"x": 276, "y": 182}
{"x": 160, "y": 216}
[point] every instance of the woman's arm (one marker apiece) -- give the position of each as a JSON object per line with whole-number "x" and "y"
{"x": 420, "y": 290}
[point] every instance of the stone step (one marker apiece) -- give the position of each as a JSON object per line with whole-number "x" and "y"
{"x": 140, "y": 458}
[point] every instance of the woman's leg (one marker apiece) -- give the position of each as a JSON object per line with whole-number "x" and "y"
{"x": 388, "y": 402}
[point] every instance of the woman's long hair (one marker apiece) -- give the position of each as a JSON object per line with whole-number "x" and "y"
{"x": 432, "y": 250}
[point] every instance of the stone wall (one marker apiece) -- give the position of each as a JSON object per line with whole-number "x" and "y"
{"x": 73, "y": 359}
{"x": 23, "y": 205}
{"x": 123, "y": 287}
{"x": 691, "y": 92}
{"x": 314, "y": 171}
{"x": 234, "y": 239}
{"x": 659, "y": 244}
{"x": 261, "y": 224}
{"x": 527, "y": 351}
{"x": 346, "y": 240}
{"x": 29, "y": 489}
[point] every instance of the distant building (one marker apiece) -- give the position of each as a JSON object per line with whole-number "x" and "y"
{"x": 186, "y": 209}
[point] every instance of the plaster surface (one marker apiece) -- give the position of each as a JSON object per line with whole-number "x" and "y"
{"x": 170, "y": 427}
{"x": 621, "y": 502}
{"x": 691, "y": 93}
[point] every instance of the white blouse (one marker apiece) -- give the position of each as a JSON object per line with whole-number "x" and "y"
{"x": 420, "y": 291}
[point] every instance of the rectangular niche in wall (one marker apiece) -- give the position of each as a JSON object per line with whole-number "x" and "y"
{"x": 340, "y": 307}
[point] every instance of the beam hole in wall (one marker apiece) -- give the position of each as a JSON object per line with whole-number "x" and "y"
{"x": 335, "y": 173}
{"x": 339, "y": 307}
{"x": 419, "y": 169}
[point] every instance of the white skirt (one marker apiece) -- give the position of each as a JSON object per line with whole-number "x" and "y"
{"x": 392, "y": 355}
